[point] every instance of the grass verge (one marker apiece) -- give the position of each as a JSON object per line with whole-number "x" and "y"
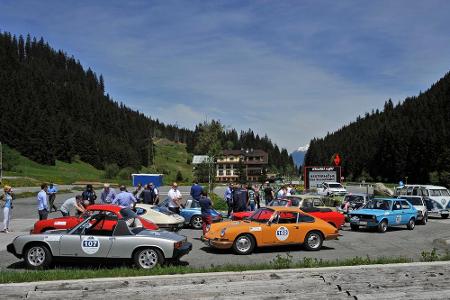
{"x": 280, "y": 262}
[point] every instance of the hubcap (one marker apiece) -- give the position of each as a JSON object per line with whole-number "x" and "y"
{"x": 148, "y": 259}
{"x": 412, "y": 223}
{"x": 36, "y": 256}
{"x": 197, "y": 222}
{"x": 314, "y": 240}
{"x": 243, "y": 244}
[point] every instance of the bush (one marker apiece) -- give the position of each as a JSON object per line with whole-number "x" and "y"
{"x": 111, "y": 170}
{"x": 125, "y": 173}
{"x": 11, "y": 159}
{"x": 179, "y": 177}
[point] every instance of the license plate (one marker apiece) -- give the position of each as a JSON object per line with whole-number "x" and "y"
{"x": 363, "y": 223}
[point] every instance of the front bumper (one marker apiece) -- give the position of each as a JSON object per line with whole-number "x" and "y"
{"x": 11, "y": 249}
{"x": 172, "y": 227}
{"x": 365, "y": 223}
{"x": 219, "y": 244}
{"x": 183, "y": 250}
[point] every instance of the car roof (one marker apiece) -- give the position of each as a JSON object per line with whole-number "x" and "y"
{"x": 107, "y": 207}
{"x": 427, "y": 186}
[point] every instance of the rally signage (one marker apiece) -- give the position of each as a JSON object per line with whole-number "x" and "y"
{"x": 315, "y": 176}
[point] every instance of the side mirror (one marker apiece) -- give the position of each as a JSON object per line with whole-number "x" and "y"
{"x": 269, "y": 223}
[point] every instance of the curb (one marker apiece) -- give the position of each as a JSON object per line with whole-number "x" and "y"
{"x": 219, "y": 274}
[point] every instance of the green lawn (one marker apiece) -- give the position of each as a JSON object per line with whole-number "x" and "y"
{"x": 171, "y": 157}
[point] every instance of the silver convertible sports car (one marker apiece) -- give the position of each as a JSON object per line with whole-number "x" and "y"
{"x": 146, "y": 248}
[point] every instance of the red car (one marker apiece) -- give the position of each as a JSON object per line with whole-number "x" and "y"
{"x": 334, "y": 218}
{"x": 113, "y": 212}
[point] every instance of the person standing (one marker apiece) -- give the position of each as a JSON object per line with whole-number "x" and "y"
{"x": 251, "y": 196}
{"x": 175, "y": 198}
{"x": 51, "y": 192}
{"x": 206, "y": 205}
{"x": 268, "y": 193}
{"x": 125, "y": 198}
{"x": 138, "y": 192}
{"x": 155, "y": 193}
{"x": 70, "y": 203}
{"x": 89, "y": 194}
{"x": 240, "y": 199}
{"x": 282, "y": 193}
{"x": 43, "y": 202}
{"x": 196, "y": 191}
{"x": 108, "y": 194}
{"x": 6, "y": 202}
{"x": 147, "y": 195}
{"x": 228, "y": 196}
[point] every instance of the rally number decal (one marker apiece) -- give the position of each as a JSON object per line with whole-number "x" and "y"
{"x": 282, "y": 233}
{"x": 90, "y": 245}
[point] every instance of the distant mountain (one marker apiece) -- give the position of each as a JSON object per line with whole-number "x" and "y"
{"x": 299, "y": 155}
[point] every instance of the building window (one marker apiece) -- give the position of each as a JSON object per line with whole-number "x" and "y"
{"x": 220, "y": 172}
{"x": 228, "y": 172}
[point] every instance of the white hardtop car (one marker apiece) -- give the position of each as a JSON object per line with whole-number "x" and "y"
{"x": 419, "y": 203}
{"x": 329, "y": 188}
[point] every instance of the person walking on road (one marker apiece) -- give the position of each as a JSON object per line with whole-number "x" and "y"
{"x": 206, "y": 205}
{"x": 251, "y": 196}
{"x": 175, "y": 198}
{"x": 108, "y": 194}
{"x": 89, "y": 194}
{"x": 43, "y": 202}
{"x": 6, "y": 202}
{"x": 228, "y": 196}
{"x": 125, "y": 198}
{"x": 196, "y": 191}
{"x": 70, "y": 203}
{"x": 268, "y": 193}
{"x": 51, "y": 192}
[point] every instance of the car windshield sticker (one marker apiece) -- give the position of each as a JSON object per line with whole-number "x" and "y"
{"x": 255, "y": 229}
{"x": 398, "y": 219}
{"x": 282, "y": 233}
{"x": 90, "y": 245}
{"x": 52, "y": 238}
{"x": 62, "y": 223}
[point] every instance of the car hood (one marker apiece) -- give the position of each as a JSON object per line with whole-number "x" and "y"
{"x": 162, "y": 234}
{"x": 370, "y": 212}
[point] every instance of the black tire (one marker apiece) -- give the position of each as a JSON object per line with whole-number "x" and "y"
{"x": 313, "y": 241}
{"x": 382, "y": 227}
{"x": 38, "y": 257}
{"x": 411, "y": 224}
{"x": 196, "y": 222}
{"x": 244, "y": 244}
{"x": 424, "y": 221}
{"x": 444, "y": 216}
{"x": 354, "y": 227}
{"x": 148, "y": 258}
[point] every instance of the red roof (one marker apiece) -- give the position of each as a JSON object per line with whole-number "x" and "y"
{"x": 108, "y": 207}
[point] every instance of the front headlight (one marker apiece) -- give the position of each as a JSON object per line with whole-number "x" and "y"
{"x": 208, "y": 227}
{"x": 222, "y": 232}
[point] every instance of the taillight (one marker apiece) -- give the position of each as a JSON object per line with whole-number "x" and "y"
{"x": 178, "y": 245}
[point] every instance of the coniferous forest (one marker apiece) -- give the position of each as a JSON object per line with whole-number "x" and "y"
{"x": 410, "y": 140}
{"x": 54, "y": 109}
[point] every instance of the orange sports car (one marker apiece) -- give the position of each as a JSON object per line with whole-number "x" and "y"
{"x": 271, "y": 226}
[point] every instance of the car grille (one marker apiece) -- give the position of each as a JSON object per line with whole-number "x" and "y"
{"x": 364, "y": 217}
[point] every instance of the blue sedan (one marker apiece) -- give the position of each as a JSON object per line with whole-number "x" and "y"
{"x": 382, "y": 213}
{"x": 191, "y": 212}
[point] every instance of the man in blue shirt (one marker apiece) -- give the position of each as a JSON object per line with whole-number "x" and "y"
{"x": 51, "y": 192}
{"x": 206, "y": 207}
{"x": 42, "y": 202}
{"x": 196, "y": 191}
{"x": 108, "y": 194}
{"x": 228, "y": 196}
{"x": 125, "y": 198}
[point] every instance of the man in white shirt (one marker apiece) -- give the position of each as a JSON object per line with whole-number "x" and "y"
{"x": 175, "y": 198}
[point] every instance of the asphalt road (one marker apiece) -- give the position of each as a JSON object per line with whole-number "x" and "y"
{"x": 395, "y": 242}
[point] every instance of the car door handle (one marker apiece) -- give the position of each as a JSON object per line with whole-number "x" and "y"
{"x": 296, "y": 227}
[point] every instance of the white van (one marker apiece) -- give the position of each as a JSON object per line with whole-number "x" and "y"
{"x": 438, "y": 196}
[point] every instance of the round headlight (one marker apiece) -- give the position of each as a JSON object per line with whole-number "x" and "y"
{"x": 222, "y": 232}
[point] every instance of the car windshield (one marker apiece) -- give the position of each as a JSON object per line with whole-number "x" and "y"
{"x": 378, "y": 204}
{"x": 261, "y": 215}
{"x": 354, "y": 198}
{"x": 127, "y": 213}
{"x": 335, "y": 185}
{"x": 278, "y": 203}
{"x": 414, "y": 200}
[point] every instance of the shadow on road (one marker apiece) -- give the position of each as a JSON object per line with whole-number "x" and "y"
{"x": 274, "y": 249}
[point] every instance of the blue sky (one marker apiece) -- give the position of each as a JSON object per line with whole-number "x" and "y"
{"x": 292, "y": 69}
